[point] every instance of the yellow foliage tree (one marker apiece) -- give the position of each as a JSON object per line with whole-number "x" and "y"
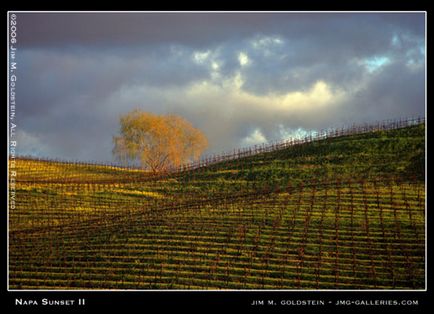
{"x": 158, "y": 142}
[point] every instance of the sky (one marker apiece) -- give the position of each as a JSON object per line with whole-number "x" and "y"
{"x": 242, "y": 78}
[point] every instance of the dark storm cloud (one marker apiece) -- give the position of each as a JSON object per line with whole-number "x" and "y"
{"x": 237, "y": 76}
{"x": 397, "y": 89}
{"x": 96, "y": 29}
{"x": 202, "y": 29}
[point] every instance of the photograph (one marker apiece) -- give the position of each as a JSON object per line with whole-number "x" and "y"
{"x": 266, "y": 160}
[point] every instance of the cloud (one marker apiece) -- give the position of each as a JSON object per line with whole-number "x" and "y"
{"x": 241, "y": 78}
{"x": 375, "y": 63}
{"x": 256, "y": 137}
{"x": 243, "y": 58}
{"x": 30, "y": 144}
{"x": 63, "y": 30}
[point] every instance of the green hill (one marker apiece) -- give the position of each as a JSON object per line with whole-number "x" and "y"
{"x": 339, "y": 213}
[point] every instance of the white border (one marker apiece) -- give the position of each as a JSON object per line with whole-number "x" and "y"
{"x": 228, "y": 290}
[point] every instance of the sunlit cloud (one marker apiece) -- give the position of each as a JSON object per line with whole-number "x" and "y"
{"x": 262, "y": 42}
{"x": 256, "y": 137}
{"x": 375, "y": 63}
{"x": 298, "y": 133}
{"x": 215, "y": 66}
{"x": 319, "y": 96}
{"x": 243, "y": 58}
{"x": 201, "y": 57}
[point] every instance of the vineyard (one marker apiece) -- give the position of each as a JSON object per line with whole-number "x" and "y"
{"x": 344, "y": 209}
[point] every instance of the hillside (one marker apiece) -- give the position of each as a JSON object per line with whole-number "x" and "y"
{"x": 340, "y": 213}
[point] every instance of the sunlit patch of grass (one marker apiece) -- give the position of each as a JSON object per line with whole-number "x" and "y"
{"x": 228, "y": 171}
{"x": 82, "y": 209}
{"x": 69, "y": 193}
{"x": 139, "y": 193}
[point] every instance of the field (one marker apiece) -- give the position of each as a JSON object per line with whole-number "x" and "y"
{"x": 343, "y": 212}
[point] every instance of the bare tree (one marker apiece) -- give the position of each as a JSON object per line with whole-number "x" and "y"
{"x": 158, "y": 142}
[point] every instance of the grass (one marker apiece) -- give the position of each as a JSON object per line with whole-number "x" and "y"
{"x": 340, "y": 213}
